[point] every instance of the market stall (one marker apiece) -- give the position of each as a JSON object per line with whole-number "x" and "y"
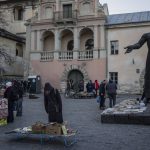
{"x": 128, "y": 111}
{"x": 126, "y": 107}
{"x": 48, "y": 131}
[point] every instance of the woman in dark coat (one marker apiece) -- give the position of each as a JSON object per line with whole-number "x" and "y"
{"x": 8, "y": 94}
{"x": 53, "y": 104}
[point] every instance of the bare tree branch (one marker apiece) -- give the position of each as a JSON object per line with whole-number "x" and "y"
{"x": 8, "y": 58}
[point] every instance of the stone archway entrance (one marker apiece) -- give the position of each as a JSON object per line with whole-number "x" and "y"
{"x": 76, "y": 76}
{"x": 74, "y": 71}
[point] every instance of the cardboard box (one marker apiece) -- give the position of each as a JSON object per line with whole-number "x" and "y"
{"x": 38, "y": 127}
{"x": 54, "y": 129}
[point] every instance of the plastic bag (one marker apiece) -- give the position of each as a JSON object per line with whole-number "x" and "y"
{"x": 98, "y": 99}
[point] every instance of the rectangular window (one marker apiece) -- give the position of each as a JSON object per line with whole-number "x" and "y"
{"x": 114, "y": 76}
{"x": 18, "y": 13}
{"x": 67, "y": 11}
{"x": 114, "y": 47}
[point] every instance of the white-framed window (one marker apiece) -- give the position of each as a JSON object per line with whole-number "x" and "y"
{"x": 114, "y": 46}
{"x": 113, "y": 76}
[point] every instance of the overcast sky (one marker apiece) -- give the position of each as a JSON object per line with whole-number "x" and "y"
{"x": 126, "y": 6}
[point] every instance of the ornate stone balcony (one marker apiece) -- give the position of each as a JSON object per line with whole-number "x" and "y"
{"x": 84, "y": 55}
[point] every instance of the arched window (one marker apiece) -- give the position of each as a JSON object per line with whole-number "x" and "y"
{"x": 70, "y": 45}
{"x": 89, "y": 44}
{"x": 18, "y": 13}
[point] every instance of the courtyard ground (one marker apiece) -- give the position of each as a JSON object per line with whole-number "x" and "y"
{"x": 83, "y": 115}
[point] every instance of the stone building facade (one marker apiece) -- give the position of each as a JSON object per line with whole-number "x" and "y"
{"x": 13, "y": 16}
{"x": 13, "y": 46}
{"x": 66, "y": 41}
{"x": 78, "y": 39}
{"x": 123, "y": 30}
{"x": 16, "y": 13}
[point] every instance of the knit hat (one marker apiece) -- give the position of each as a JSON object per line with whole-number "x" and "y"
{"x": 8, "y": 84}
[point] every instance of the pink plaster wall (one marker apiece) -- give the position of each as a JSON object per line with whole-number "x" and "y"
{"x": 52, "y": 71}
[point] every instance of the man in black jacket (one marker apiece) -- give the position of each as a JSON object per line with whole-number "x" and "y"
{"x": 111, "y": 88}
{"x": 102, "y": 94}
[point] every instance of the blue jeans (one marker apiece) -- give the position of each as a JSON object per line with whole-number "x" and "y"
{"x": 19, "y": 107}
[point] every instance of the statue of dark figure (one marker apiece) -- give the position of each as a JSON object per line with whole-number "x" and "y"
{"x": 145, "y": 38}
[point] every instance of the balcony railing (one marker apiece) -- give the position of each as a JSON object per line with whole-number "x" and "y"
{"x": 65, "y": 16}
{"x": 85, "y": 55}
{"x": 69, "y": 55}
{"x": 47, "y": 56}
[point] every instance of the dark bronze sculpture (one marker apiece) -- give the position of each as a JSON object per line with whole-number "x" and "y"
{"x": 145, "y": 38}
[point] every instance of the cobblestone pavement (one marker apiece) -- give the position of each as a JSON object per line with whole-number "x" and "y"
{"x": 81, "y": 114}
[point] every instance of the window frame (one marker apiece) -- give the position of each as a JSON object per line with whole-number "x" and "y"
{"x": 18, "y": 13}
{"x": 114, "y": 76}
{"x": 67, "y": 12}
{"x": 115, "y": 51}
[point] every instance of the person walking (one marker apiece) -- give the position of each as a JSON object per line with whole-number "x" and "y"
{"x": 68, "y": 88}
{"x": 111, "y": 88}
{"x": 102, "y": 94}
{"x": 53, "y": 103}
{"x": 15, "y": 96}
{"x": 81, "y": 86}
{"x": 96, "y": 87}
{"x": 8, "y": 95}
{"x": 20, "y": 100}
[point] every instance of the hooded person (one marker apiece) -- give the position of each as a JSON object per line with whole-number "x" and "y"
{"x": 53, "y": 104}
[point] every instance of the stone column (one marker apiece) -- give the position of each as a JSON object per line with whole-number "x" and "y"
{"x": 57, "y": 44}
{"x": 96, "y": 7}
{"x": 57, "y": 5}
{"x": 57, "y": 40}
{"x": 26, "y": 55}
{"x": 76, "y": 39}
{"x": 76, "y": 43}
{"x": 95, "y": 52}
{"x": 95, "y": 37}
{"x": 39, "y": 12}
{"x": 32, "y": 40}
{"x": 76, "y": 5}
{"x": 39, "y": 47}
{"x": 102, "y": 37}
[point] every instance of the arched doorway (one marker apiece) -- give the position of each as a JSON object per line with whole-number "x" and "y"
{"x": 86, "y": 39}
{"x": 66, "y": 40}
{"x": 76, "y": 76}
{"x": 48, "y": 41}
{"x": 70, "y": 45}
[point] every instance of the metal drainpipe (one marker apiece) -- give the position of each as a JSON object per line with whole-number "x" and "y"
{"x": 106, "y": 46}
